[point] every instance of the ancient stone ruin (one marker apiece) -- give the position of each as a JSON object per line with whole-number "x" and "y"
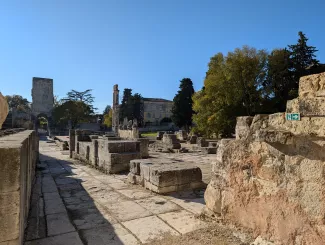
{"x": 18, "y": 158}
{"x": 110, "y": 156}
{"x": 270, "y": 179}
{"x": 164, "y": 176}
{"x": 43, "y": 98}
{"x": 4, "y": 109}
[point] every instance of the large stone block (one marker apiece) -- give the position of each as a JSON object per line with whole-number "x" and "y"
{"x": 4, "y": 109}
{"x": 312, "y": 86}
{"x": 165, "y": 177}
{"x": 243, "y": 127}
{"x": 18, "y": 156}
{"x": 10, "y": 167}
{"x": 201, "y": 141}
{"x": 120, "y": 162}
{"x": 144, "y": 144}
{"x": 9, "y": 213}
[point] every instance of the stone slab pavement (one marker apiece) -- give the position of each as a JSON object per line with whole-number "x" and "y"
{"x": 75, "y": 204}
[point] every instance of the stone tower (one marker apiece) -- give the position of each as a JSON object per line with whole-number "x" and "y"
{"x": 42, "y": 96}
{"x": 115, "y": 113}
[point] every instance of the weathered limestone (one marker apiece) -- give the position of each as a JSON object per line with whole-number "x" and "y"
{"x": 271, "y": 178}
{"x": 129, "y": 133}
{"x": 168, "y": 143}
{"x": 171, "y": 141}
{"x": 72, "y": 142}
{"x": 18, "y": 157}
{"x": 165, "y": 177}
{"x": 221, "y": 148}
{"x": 182, "y": 135}
{"x": 144, "y": 143}
{"x": 242, "y": 126}
{"x": 110, "y": 156}
{"x": 160, "y": 135}
{"x": 192, "y": 139}
{"x": 42, "y": 94}
{"x": 201, "y": 141}
{"x": 4, "y": 109}
{"x": 115, "y": 109}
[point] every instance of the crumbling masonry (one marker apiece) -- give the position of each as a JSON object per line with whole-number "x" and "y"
{"x": 271, "y": 179}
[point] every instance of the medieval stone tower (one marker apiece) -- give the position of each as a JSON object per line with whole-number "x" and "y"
{"x": 115, "y": 113}
{"x": 42, "y": 96}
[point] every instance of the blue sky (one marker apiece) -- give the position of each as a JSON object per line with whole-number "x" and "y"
{"x": 146, "y": 45}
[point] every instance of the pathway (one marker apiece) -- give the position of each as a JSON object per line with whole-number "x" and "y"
{"x": 75, "y": 204}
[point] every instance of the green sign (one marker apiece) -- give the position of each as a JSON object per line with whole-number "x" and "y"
{"x": 293, "y": 116}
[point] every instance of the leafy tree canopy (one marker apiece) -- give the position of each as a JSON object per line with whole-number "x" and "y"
{"x": 17, "y": 102}
{"x": 232, "y": 87}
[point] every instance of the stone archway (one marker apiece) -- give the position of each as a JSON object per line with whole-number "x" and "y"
{"x": 41, "y": 124}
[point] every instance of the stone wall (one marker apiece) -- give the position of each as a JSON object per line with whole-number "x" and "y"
{"x": 18, "y": 157}
{"x": 110, "y": 156}
{"x": 129, "y": 133}
{"x": 271, "y": 178}
{"x": 156, "y": 109}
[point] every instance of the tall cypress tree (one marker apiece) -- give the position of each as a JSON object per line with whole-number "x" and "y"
{"x": 302, "y": 57}
{"x": 125, "y": 110}
{"x": 182, "y": 111}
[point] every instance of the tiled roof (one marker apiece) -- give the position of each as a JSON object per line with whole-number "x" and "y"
{"x": 156, "y": 100}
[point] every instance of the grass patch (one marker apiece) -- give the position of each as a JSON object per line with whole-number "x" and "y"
{"x": 149, "y": 134}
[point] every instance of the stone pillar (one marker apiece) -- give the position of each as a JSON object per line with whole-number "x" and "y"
{"x": 115, "y": 112}
{"x": 95, "y": 153}
{"x": 72, "y": 139}
{"x": 77, "y": 138}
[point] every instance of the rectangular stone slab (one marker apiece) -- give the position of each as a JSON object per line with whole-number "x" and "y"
{"x": 165, "y": 177}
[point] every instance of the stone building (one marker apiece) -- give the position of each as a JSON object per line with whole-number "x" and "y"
{"x": 154, "y": 110}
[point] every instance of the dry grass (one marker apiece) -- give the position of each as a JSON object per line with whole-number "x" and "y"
{"x": 215, "y": 235}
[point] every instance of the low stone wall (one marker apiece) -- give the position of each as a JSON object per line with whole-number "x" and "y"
{"x": 129, "y": 133}
{"x": 18, "y": 157}
{"x": 110, "y": 156}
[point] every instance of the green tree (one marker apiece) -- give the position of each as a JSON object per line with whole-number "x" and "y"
{"x": 108, "y": 119}
{"x": 131, "y": 106}
{"x": 137, "y": 108}
{"x": 182, "y": 110}
{"x": 107, "y": 109}
{"x": 74, "y": 112}
{"x": 84, "y": 96}
{"x": 124, "y": 109}
{"x": 17, "y": 102}
{"x": 76, "y": 108}
{"x": 233, "y": 87}
{"x": 302, "y": 57}
{"x": 279, "y": 82}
